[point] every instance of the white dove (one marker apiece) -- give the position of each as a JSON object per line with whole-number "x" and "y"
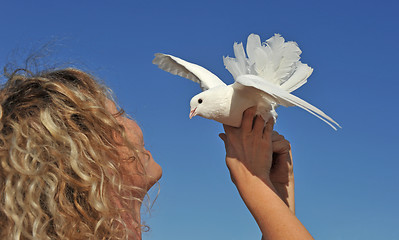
{"x": 264, "y": 79}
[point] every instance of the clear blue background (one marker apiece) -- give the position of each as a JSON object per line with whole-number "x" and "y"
{"x": 346, "y": 181}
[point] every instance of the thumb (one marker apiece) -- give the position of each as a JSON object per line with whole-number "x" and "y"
{"x": 223, "y": 137}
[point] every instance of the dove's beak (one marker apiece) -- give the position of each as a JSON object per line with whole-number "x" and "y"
{"x": 193, "y": 113}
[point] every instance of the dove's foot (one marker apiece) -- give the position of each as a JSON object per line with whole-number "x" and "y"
{"x": 274, "y": 115}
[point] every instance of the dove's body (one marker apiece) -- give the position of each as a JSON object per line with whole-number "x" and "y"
{"x": 264, "y": 79}
{"x": 226, "y": 104}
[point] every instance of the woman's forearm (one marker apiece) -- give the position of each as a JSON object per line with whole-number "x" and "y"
{"x": 274, "y": 218}
{"x": 286, "y": 191}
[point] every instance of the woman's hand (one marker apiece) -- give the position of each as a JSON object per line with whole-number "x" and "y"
{"x": 249, "y": 149}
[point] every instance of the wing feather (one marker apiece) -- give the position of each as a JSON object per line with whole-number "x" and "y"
{"x": 298, "y": 78}
{"x": 188, "y": 70}
{"x": 280, "y": 94}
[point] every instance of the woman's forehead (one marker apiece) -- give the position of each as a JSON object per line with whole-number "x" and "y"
{"x": 111, "y": 106}
{"x": 135, "y": 127}
{"x": 131, "y": 126}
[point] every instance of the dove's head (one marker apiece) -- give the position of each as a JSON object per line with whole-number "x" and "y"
{"x": 210, "y": 104}
{"x": 197, "y": 105}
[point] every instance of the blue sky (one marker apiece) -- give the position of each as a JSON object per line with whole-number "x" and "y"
{"x": 346, "y": 181}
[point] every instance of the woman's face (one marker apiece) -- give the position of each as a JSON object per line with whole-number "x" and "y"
{"x": 152, "y": 170}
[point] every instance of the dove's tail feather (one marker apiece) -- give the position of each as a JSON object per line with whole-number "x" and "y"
{"x": 276, "y": 61}
{"x": 280, "y": 94}
{"x": 313, "y": 110}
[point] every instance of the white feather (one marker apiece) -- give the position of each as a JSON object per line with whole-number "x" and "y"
{"x": 278, "y": 93}
{"x": 298, "y": 78}
{"x": 253, "y": 42}
{"x": 275, "y": 60}
{"x": 232, "y": 66}
{"x": 188, "y": 70}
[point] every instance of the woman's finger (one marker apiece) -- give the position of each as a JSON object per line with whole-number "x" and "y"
{"x": 223, "y": 137}
{"x": 276, "y": 136}
{"x": 247, "y": 119}
{"x": 281, "y": 146}
{"x": 228, "y": 129}
{"x": 267, "y": 131}
{"x": 259, "y": 124}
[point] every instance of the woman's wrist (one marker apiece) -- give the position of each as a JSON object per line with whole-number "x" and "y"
{"x": 248, "y": 181}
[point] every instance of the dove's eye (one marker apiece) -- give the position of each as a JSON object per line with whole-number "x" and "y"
{"x": 200, "y": 100}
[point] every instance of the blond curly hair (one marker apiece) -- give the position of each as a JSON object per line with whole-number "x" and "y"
{"x": 60, "y": 170}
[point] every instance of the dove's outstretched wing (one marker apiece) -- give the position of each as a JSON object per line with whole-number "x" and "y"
{"x": 191, "y": 71}
{"x": 282, "y": 96}
{"x": 276, "y": 61}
